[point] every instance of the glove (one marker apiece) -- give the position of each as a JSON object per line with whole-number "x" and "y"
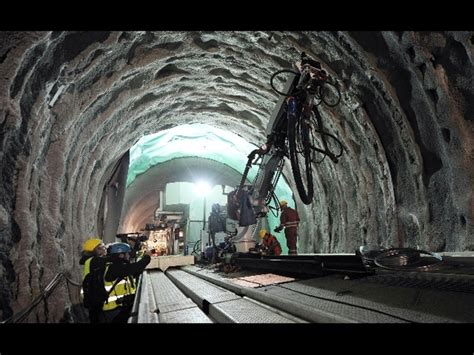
{"x": 278, "y": 229}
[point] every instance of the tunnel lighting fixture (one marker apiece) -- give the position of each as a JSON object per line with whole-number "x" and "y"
{"x": 202, "y": 188}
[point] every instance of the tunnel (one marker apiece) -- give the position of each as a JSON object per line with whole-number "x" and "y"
{"x": 75, "y": 103}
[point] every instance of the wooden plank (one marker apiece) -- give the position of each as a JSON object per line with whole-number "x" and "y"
{"x": 164, "y": 262}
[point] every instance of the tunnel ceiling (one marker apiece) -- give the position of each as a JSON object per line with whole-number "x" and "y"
{"x": 73, "y": 103}
{"x": 196, "y": 140}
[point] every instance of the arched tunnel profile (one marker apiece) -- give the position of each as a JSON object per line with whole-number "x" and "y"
{"x": 75, "y": 103}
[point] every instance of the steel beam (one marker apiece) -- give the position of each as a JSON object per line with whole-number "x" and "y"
{"x": 313, "y": 265}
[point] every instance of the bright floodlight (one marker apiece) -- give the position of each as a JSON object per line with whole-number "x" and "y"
{"x": 202, "y": 188}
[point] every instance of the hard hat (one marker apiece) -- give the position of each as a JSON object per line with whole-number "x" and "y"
{"x": 262, "y": 233}
{"x": 91, "y": 244}
{"x": 283, "y": 203}
{"x": 118, "y": 248}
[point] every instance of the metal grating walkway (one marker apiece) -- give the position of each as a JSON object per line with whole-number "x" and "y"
{"x": 160, "y": 301}
{"x": 199, "y": 295}
{"x": 333, "y": 298}
{"x": 179, "y": 297}
{"x": 225, "y": 306}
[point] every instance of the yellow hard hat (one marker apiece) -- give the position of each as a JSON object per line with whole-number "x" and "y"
{"x": 262, "y": 233}
{"x": 283, "y": 203}
{"x": 91, "y": 244}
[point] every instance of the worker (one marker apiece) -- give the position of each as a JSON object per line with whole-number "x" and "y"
{"x": 136, "y": 243}
{"x": 93, "y": 258}
{"x": 271, "y": 245}
{"x": 120, "y": 279}
{"x": 289, "y": 220}
{"x": 137, "y": 246}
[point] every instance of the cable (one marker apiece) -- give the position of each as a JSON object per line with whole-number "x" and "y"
{"x": 72, "y": 282}
{"x": 279, "y": 72}
{"x": 406, "y": 259}
{"x": 195, "y": 247}
{"x": 16, "y": 318}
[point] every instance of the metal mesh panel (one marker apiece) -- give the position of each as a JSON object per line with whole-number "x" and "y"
{"x": 245, "y": 311}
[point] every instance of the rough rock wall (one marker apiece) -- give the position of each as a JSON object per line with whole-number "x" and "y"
{"x": 73, "y": 103}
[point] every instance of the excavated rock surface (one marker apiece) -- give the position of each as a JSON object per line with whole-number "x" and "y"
{"x": 73, "y": 103}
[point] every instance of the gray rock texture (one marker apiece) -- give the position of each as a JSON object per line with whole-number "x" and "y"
{"x": 72, "y": 103}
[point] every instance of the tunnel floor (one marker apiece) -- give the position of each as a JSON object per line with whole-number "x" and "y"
{"x": 203, "y": 294}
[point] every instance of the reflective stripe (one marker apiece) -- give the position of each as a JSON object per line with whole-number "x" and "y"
{"x": 109, "y": 287}
{"x": 123, "y": 288}
{"x": 114, "y": 298}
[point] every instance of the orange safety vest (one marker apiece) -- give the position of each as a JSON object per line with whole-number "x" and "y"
{"x": 272, "y": 244}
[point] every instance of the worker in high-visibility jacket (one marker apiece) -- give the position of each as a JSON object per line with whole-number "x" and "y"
{"x": 289, "y": 219}
{"x": 93, "y": 257}
{"x": 120, "y": 280}
{"x": 271, "y": 246}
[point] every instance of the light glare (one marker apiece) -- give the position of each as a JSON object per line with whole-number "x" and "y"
{"x": 202, "y": 188}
